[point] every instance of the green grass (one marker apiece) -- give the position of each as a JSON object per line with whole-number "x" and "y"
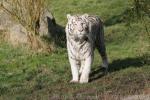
{"x": 26, "y": 75}
{"x": 106, "y": 9}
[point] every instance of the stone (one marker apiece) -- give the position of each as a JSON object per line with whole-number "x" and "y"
{"x": 17, "y": 33}
{"x": 47, "y": 24}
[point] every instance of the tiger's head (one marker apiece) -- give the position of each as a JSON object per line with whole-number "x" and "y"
{"x": 78, "y": 27}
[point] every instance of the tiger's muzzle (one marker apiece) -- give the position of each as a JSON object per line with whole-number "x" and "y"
{"x": 80, "y": 38}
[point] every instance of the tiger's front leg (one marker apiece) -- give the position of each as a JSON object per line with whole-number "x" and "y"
{"x": 74, "y": 70}
{"x": 86, "y": 70}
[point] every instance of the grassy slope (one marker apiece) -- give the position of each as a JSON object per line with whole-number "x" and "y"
{"x": 26, "y": 75}
{"x": 104, "y": 8}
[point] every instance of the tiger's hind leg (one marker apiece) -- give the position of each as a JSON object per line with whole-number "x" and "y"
{"x": 103, "y": 54}
{"x": 100, "y": 45}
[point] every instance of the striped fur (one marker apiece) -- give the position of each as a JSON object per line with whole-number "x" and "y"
{"x": 84, "y": 33}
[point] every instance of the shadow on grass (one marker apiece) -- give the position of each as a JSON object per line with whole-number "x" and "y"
{"x": 56, "y": 32}
{"x": 125, "y": 16}
{"x": 114, "y": 20}
{"x": 59, "y": 36}
{"x": 120, "y": 64}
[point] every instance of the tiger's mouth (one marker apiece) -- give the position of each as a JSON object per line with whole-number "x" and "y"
{"x": 76, "y": 39}
{"x": 81, "y": 38}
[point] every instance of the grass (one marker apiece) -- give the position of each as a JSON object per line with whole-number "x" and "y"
{"x": 26, "y": 75}
{"x": 105, "y": 9}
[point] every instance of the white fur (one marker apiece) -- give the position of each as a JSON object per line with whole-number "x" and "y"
{"x": 82, "y": 69}
{"x": 80, "y": 61}
{"x": 86, "y": 70}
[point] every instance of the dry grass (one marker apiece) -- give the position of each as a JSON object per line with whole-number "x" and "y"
{"x": 28, "y": 13}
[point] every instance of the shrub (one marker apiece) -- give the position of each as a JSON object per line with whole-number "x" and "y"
{"x": 27, "y": 13}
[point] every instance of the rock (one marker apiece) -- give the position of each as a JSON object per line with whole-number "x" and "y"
{"x": 17, "y": 34}
{"x": 5, "y": 20}
{"x": 47, "y": 24}
{"x": 137, "y": 97}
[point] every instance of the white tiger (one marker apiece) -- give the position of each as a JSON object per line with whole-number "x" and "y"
{"x": 84, "y": 33}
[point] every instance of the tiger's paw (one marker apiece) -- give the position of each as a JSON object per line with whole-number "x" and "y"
{"x": 104, "y": 70}
{"x": 74, "y": 81}
{"x": 83, "y": 81}
{"x": 104, "y": 65}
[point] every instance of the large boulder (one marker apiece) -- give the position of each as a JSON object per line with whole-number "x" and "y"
{"x": 14, "y": 32}
{"x": 17, "y": 33}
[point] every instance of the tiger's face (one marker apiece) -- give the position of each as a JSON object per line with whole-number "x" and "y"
{"x": 78, "y": 27}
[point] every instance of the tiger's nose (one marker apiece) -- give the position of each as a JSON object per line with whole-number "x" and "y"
{"x": 80, "y": 29}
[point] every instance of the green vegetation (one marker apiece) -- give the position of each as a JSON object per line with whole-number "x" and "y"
{"x": 26, "y": 75}
{"x": 105, "y": 9}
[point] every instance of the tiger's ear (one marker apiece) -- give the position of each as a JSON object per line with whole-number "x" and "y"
{"x": 68, "y": 16}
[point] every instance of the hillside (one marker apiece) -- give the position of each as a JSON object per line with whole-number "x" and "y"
{"x": 26, "y": 75}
